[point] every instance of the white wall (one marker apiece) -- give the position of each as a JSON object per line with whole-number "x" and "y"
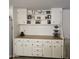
{"x": 38, "y": 29}
{"x": 40, "y": 4}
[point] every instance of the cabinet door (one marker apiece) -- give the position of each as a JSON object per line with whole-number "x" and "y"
{"x": 47, "y": 48}
{"x": 27, "y": 45}
{"x": 57, "y": 48}
{"x": 21, "y": 16}
{"x": 18, "y": 47}
{"x": 56, "y": 16}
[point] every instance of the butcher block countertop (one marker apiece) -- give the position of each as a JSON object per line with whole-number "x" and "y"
{"x": 39, "y": 37}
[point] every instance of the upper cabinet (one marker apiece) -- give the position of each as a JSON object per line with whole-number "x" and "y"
{"x": 21, "y": 16}
{"x": 49, "y": 16}
{"x": 56, "y": 15}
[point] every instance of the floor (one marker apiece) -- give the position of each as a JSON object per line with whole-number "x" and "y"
{"x": 32, "y": 58}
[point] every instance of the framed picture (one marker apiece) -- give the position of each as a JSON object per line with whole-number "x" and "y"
{"x": 29, "y": 16}
{"x": 48, "y": 21}
{"x": 28, "y": 22}
{"x": 37, "y": 21}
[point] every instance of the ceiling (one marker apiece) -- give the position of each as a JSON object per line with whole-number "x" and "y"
{"x": 40, "y": 3}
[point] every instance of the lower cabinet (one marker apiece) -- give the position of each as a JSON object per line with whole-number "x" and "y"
{"x": 18, "y": 47}
{"x": 39, "y": 48}
{"x": 57, "y": 48}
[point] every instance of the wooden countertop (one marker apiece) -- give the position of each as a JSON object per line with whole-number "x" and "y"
{"x": 39, "y": 37}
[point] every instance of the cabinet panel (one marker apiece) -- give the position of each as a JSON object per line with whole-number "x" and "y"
{"x": 27, "y": 47}
{"x": 18, "y": 47}
{"x": 57, "y": 52}
{"x": 56, "y": 15}
{"x": 57, "y": 48}
{"x": 47, "y": 48}
{"x": 21, "y": 16}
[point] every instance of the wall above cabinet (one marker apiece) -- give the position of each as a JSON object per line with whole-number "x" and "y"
{"x": 50, "y": 16}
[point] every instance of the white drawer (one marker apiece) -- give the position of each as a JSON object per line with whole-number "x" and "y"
{"x": 47, "y": 41}
{"x": 37, "y": 49}
{"x": 37, "y": 41}
{"x": 18, "y": 41}
{"x": 57, "y": 42}
{"x": 27, "y": 41}
{"x": 37, "y": 54}
{"x": 37, "y": 45}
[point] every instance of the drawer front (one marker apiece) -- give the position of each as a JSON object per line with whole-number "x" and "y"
{"x": 37, "y": 53}
{"x": 37, "y": 45}
{"x": 47, "y": 41}
{"x": 27, "y": 41}
{"x": 57, "y": 42}
{"x": 18, "y": 43}
{"x": 37, "y": 49}
{"x": 37, "y": 41}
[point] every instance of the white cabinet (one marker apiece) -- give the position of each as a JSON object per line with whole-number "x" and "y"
{"x": 47, "y": 48}
{"x": 18, "y": 47}
{"x": 38, "y": 47}
{"x": 27, "y": 47}
{"x": 56, "y": 15}
{"x": 21, "y": 16}
{"x": 57, "y": 48}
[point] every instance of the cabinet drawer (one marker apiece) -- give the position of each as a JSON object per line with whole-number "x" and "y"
{"x": 37, "y": 45}
{"x": 47, "y": 43}
{"x": 37, "y": 49}
{"x": 37, "y": 41}
{"x": 18, "y": 41}
{"x": 57, "y": 42}
{"x": 27, "y": 41}
{"x": 37, "y": 54}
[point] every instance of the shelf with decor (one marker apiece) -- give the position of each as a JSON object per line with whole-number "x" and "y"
{"x": 51, "y": 16}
